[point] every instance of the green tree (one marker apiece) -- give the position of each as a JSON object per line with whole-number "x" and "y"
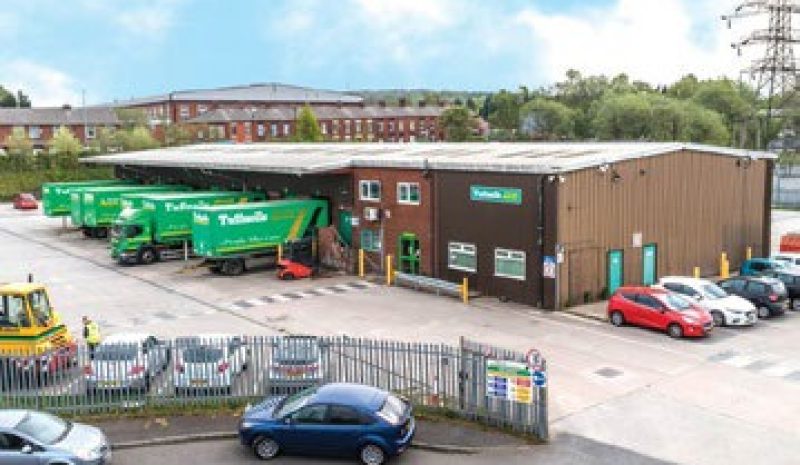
{"x": 307, "y": 126}
{"x": 505, "y": 114}
{"x": 18, "y": 143}
{"x": 138, "y": 138}
{"x": 724, "y": 97}
{"x": 456, "y": 123}
{"x": 547, "y": 119}
{"x": 685, "y": 88}
{"x": 623, "y": 117}
{"x": 105, "y": 141}
{"x": 706, "y": 126}
{"x": 65, "y": 143}
{"x": 10, "y": 99}
{"x": 471, "y": 105}
{"x": 176, "y": 134}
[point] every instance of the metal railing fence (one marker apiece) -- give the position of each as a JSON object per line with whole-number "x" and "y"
{"x": 194, "y": 370}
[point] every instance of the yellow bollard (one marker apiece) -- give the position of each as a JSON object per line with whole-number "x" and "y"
{"x": 389, "y": 270}
{"x": 697, "y": 272}
{"x": 360, "y": 263}
{"x": 465, "y": 290}
{"x": 280, "y": 252}
{"x": 724, "y": 266}
{"x": 749, "y": 252}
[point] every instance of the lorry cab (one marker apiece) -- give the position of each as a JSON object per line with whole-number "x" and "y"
{"x": 131, "y": 230}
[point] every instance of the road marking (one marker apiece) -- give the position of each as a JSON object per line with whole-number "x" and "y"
{"x": 778, "y": 371}
{"x": 739, "y": 361}
{"x": 279, "y": 298}
{"x": 255, "y": 302}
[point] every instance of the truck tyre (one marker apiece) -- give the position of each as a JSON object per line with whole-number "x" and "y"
{"x": 233, "y": 267}
{"x": 146, "y": 255}
{"x": 101, "y": 233}
{"x": 288, "y": 276}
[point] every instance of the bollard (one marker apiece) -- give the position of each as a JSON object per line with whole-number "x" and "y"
{"x": 465, "y": 290}
{"x": 388, "y": 270}
{"x": 749, "y": 252}
{"x": 280, "y": 252}
{"x": 723, "y": 269}
{"x": 697, "y": 272}
{"x": 360, "y": 263}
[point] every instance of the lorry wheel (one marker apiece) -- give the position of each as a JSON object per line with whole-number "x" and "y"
{"x": 233, "y": 267}
{"x": 146, "y": 256}
{"x": 216, "y": 269}
{"x": 101, "y": 233}
{"x": 88, "y": 233}
{"x": 288, "y": 276}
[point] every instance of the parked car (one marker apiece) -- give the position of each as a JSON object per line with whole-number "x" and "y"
{"x": 333, "y": 419}
{"x": 790, "y": 259}
{"x": 659, "y": 309}
{"x": 725, "y": 309}
{"x": 296, "y": 364}
{"x": 127, "y": 361}
{"x": 759, "y": 266}
{"x": 790, "y": 277}
{"x": 33, "y": 437}
{"x": 25, "y": 201}
{"x": 767, "y": 294}
{"x": 209, "y": 362}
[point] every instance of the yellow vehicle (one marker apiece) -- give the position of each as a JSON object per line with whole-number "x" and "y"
{"x": 33, "y": 342}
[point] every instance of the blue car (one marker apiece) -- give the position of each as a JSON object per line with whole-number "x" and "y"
{"x": 334, "y": 420}
{"x": 760, "y": 267}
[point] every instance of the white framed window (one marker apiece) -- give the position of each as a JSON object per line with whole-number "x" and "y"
{"x": 323, "y": 128}
{"x": 347, "y": 125}
{"x": 371, "y": 240}
{"x": 370, "y": 190}
{"x": 273, "y": 130}
{"x": 286, "y": 129}
{"x": 34, "y": 132}
{"x": 400, "y": 125}
{"x": 462, "y": 256}
{"x": 261, "y": 130}
{"x": 411, "y": 125}
{"x": 358, "y": 126}
{"x": 202, "y": 109}
{"x": 184, "y": 111}
{"x": 55, "y": 129}
{"x": 509, "y": 264}
{"x": 91, "y": 132}
{"x": 408, "y": 193}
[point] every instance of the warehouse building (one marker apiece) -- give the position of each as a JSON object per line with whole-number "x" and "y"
{"x": 546, "y": 224}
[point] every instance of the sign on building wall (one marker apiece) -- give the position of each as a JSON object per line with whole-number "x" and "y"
{"x": 509, "y": 380}
{"x": 495, "y": 195}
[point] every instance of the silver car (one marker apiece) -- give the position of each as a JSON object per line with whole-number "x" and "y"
{"x": 128, "y": 361}
{"x": 32, "y": 437}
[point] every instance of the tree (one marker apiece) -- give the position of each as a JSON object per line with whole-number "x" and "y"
{"x": 471, "y": 105}
{"x": 65, "y": 143}
{"x": 685, "y": 88}
{"x": 456, "y": 123}
{"x": 505, "y": 114}
{"x": 724, "y": 97}
{"x": 138, "y": 138}
{"x": 131, "y": 118}
{"x": 704, "y": 125}
{"x": 105, "y": 141}
{"x": 10, "y": 99}
{"x": 18, "y": 143}
{"x": 176, "y": 134}
{"x": 620, "y": 117}
{"x": 307, "y": 126}
{"x": 547, "y": 119}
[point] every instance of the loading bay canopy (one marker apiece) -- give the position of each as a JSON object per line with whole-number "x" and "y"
{"x": 315, "y": 158}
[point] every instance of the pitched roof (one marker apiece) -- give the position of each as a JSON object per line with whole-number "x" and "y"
{"x": 288, "y": 158}
{"x": 260, "y": 92}
{"x": 58, "y": 116}
{"x": 227, "y": 115}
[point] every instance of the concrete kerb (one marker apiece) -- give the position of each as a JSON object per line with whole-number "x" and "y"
{"x": 218, "y": 436}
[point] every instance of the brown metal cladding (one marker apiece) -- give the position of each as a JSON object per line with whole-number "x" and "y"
{"x": 692, "y": 205}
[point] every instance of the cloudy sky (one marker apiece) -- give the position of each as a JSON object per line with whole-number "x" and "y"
{"x": 115, "y": 49}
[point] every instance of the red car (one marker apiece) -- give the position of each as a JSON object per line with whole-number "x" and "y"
{"x": 659, "y": 309}
{"x": 25, "y": 202}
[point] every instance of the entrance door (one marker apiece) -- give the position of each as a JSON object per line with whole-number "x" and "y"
{"x": 408, "y": 253}
{"x": 346, "y": 226}
{"x": 615, "y": 270}
{"x": 649, "y": 262}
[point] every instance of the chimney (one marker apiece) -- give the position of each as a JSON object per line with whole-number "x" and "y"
{"x": 403, "y": 101}
{"x": 422, "y": 103}
{"x": 66, "y": 107}
{"x": 382, "y": 103}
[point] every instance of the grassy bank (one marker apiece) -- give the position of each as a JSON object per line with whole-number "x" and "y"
{"x": 14, "y": 182}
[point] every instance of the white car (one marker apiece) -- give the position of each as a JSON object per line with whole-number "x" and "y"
{"x": 209, "y": 362}
{"x": 727, "y": 310}
{"x": 791, "y": 260}
{"x": 126, "y": 361}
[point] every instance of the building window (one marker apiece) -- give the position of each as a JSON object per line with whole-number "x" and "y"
{"x": 201, "y": 109}
{"x": 286, "y": 129}
{"x": 462, "y": 256}
{"x": 34, "y": 132}
{"x": 184, "y": 112}
{"x": 273, "y": 130}
{"x": 380, "y": 127}
{"x": 336, "y": 126}
{"x": 261, "y": 130}
{"x": 358, "y": 126}
{"x": 55, "y": 129}
{"x": 91, "y": 132}
{"x": 371, "y": 240}
{"x": 408, "y": 193}
{"x": 323, "y": 128}
{"x": 400, "y": 125}
{"x": 347, "y": 124}
{"x": 370, "y": 127}
{"x": 370, "y": 190}
{"x": 509, "y": 264}
{"x": 411, "y": 125}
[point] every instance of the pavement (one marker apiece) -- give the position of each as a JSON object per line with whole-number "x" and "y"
{"x": 617, "y": 395}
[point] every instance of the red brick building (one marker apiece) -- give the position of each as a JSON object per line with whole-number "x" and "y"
{"x": 39, "y": 124}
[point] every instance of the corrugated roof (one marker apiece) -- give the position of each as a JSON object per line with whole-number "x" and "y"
{"x": 555, "y": 157}
{"x": 57, "y": 116}
{"x": 227, "y": 115}
{"x": 260, "y": 92}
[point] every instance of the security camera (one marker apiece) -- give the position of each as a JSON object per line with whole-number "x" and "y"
{"x": 603, "y": 168}
{"x": 561, "y": 179}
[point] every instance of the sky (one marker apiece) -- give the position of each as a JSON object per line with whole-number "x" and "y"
{"x": 116, "y": 49}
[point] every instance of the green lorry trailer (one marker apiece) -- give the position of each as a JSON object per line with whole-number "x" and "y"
{"x": 233, "y": 238}
{"x": 94, "y": 209}
{"x": 56, "y": 195}
{"x": 154, "y": 226}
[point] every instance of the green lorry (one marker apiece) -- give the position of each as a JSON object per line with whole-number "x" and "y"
{"x": 156, "y": 226}
{"x": 56, "y": 195}
{"x": 94, "y": 209}
{"x": 232, "y": 238}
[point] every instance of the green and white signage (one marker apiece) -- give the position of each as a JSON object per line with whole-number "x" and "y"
{"x": 495, "y": 195}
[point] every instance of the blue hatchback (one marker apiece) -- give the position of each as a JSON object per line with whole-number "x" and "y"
{"x": 760, "y": 267}
{"x": 334, "y": 420}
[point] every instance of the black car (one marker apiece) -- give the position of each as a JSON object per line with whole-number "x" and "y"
{"x": 790, "y": 278}
{"x": 767, "y": 294}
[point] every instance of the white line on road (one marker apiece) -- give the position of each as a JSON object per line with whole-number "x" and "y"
{"x": 778, "y": 371}
{"x": 279, "y": 298}
{"x": 740, "y": 361}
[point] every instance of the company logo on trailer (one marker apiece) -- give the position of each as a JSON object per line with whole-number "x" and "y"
{"x": 201, "y": 218}
{"x": 241, "y": 218}
{"x": 183, "y": 206}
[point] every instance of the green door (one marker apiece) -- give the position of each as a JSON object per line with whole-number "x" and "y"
{"x": 616, "y": 272}
{"x": 408, "y": 253}
{"x": 649, "y": 262}
{"x": 346, "y": 226}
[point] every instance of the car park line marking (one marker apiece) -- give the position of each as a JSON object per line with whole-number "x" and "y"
{"x": 739, "y": 361}
{"x": 279, "y": 298}
{"x": 254, "y": 302}
{"x": 759, "y": 365}
{"x": 243, "y": 304}
{"x": 778, "y": 371}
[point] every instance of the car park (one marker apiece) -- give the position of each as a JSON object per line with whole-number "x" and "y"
{"x": 759, "y": 266}
{"x": 296, "y": 364}
{"x": 725, "y": 309}
{"x": 659, "y": 309}
{"x": 25, "y": 201}
{"x": 334, "y": 420}
{"x": 790, "y": 277}
{"x": 33, "y": 437}
{"x": 767, "y": 294}
{"x": 127, "y": 361}
{"x": 209, "y": 362}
